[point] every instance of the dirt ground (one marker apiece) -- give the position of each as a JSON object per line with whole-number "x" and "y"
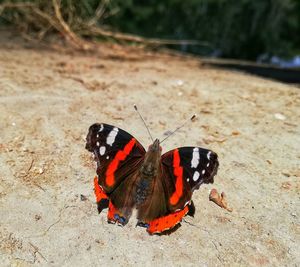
{"x": 48, "y": 99}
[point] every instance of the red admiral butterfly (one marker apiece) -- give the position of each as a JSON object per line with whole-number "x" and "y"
{"x": 159, "y": 186}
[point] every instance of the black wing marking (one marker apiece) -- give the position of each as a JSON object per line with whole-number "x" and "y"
{"x": 117, "y": 154}
{"x": 199, "y": 166}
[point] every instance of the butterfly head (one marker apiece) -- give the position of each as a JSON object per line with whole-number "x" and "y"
{"x": 155, "y": 146}
{"x": 152, "y": 160}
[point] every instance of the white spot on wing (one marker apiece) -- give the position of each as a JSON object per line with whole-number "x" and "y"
{"x": 112, "y": 136}
{"x": 203, "y": 172}
{"x": 196, "y": 176}
{"x": 101, "y": 128}
{"x": 188, "y": 179}
{"x": 98, "y": 144}
{"x": 196, "y": 158}
{"x": 102, "y": 150}
{"x": 107, "y": 157}
{"x": 208, "y": 155}
{"x": 97, "y": 135}
{"x": 207, "y": 164}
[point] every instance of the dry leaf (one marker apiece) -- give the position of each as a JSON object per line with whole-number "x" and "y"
{"x": 220, "y": 200}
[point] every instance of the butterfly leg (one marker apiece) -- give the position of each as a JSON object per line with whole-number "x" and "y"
{"x": 101, "y": 198}
{"x": 167, "y": 222}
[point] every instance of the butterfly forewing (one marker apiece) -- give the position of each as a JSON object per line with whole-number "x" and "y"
{"x": 185, "y": 169}
{"x": 117, "y": 154}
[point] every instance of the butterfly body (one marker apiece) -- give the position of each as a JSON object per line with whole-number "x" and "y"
{"x": 159, "y": 186}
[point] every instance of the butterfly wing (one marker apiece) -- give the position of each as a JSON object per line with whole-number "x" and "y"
{"x": 118, "y": 154}
{"x": 184, "y": 170}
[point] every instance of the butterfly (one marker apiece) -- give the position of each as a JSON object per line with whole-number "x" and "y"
{"x": 159, "y": 186}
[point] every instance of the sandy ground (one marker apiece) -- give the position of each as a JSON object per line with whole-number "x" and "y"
{"x": 48, "y": 99}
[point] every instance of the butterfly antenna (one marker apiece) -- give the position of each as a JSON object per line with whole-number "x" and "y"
{"x": 190, "y": 119}
{"x": 136, "y": 109}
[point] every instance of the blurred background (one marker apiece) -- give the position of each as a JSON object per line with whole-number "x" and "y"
{"x": 265, "y": 31}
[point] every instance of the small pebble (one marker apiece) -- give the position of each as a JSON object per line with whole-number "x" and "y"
{"x": 179, "y": 82}
{"x": 286, "y": 174}
{"x": 83, "y": 197}
{"x": 279, "y": 116}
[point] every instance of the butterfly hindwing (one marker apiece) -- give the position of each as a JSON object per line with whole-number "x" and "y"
{"x": 117, "y": 154}
{"x": 185, "y": 169}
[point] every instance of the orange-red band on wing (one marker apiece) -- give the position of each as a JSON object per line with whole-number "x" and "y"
{"x": 167, "y": 222}
{"x": 99, "y": 191}
{"x": 178, "y": 172}
{"x": 111, "y": 212}
{"x": 113, "y": 166}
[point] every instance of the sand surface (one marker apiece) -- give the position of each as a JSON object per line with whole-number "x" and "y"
{"x": 48, "y": 99}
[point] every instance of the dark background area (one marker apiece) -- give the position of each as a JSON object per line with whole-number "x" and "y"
{"x": 245, "y": 29}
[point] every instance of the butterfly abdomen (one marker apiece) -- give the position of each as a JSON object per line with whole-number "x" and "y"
{"x": 143, "y": 189}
